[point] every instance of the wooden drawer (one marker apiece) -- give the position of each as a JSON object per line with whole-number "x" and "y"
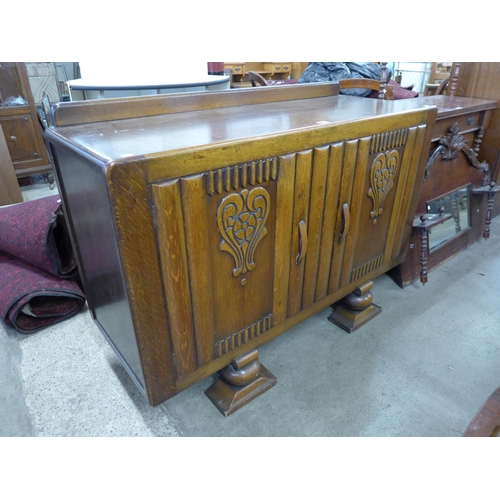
{"x": 238, "y": 68}
{"x": 278, "y": 67}
{"x": 467, "y": 123}
{"x": 20, "y": 137}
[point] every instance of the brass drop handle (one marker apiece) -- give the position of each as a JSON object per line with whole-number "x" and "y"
{"x": 302, "y": 242}
{"x": 346, "y": 221}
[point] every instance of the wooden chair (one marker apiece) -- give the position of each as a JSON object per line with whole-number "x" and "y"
{"x": 257, "y": 79}
{"x": 367, "y": 83}
{"x": 439, "y": 73}
{"x": 447, "y": 85}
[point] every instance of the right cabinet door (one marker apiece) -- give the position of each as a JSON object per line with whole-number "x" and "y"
{"x": 378, "y": 181}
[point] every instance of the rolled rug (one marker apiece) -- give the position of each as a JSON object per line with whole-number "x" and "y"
{"x": 35, "y": 232}
{"x": 32, "y": 299}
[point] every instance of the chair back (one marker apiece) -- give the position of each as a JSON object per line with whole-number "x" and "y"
{"x": 257, "y": 79}
{"x": 369, "y": 84}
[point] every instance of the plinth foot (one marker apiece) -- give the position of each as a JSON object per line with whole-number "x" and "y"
{"x": 356, "y": 309}
{"x": 240, "y": 382}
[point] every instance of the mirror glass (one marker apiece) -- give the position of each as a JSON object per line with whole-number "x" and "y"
{"x": 455, "y": 203}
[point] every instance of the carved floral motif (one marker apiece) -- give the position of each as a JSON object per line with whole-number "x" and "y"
{"x": 241, "y": 219}
{"x": 382, "y": 179}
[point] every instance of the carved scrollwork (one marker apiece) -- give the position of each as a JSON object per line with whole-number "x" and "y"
{"x": 382, "y": 179}
{"x": 241, "y": 219}
{"x": 449, "y": 146}
{"x": 452, "y": 143}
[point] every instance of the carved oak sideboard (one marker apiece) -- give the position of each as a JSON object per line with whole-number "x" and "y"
{"x": 207, "y": 224}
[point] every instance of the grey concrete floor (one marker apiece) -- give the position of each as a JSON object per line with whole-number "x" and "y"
{"x": 421, "y": 368}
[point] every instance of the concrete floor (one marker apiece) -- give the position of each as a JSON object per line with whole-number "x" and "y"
{"x": 421, "y": 368}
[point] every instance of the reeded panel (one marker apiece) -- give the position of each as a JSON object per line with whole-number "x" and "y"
{"x": 311, "y": 223}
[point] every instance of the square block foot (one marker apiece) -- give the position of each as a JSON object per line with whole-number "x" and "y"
{"x": 350, "y": 320}
{"x": 228, "y": 398}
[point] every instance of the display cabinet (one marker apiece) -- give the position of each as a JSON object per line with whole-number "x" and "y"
{"x": 207, "y": 224}
{"x": 19, "y": 122}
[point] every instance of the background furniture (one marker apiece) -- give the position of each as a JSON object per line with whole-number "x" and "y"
{"x": 384, "y": 90}
{"x": 438, "y": 78}
{"x": 9, "y": 187}
{"x": 143, "y": 84}
{"x": 285, "y": 209}
{"x": 480, "y": 80}
{"x": 43, "y": 80}
{"x": 454, "y": 173}
{"x": 268, "y": 70}
{"x": 19, "y": 122}
{"x": 256, "y": 79}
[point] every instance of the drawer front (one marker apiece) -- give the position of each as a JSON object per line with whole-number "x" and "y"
{"x": 467, "y": 122}
{"x": 278, "y": 67}
{"x": 20, "y": 137}
{"x": 284, "y": 68}
{"x": 238, "y": 69}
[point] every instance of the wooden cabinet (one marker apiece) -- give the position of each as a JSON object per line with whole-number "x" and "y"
{"x": 10, "y": 192}
{"x": 278, "y": 70}
{"x": 269, "y": 70}
{"x": 480, "y": 80}
{"x": 206, "y": 225}
{"x": 19, "y": 122}
{"x": 455, "y": 169}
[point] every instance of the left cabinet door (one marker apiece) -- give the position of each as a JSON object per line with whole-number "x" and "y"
{"x": 217, "y": 242}
{"x": 21, "y": 140}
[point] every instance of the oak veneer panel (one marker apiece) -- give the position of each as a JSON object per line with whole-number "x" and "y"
{"x": 334, "y": 174}
{"x": 355, "y": 209}
{"x": 346, "y": 189}
{"x": 303, "y": 169}
{"x": 135, "y": 228}
{"x": 174, "y": 268}
{"x": 284, "y": 214}
{"x": 315, "y": 224}
{"x": 197, "y": 236}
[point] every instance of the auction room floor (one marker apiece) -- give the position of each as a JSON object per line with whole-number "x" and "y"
{"x": 421, "y": 368}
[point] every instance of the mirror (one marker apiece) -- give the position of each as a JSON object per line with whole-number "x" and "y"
{"x": 456, "y": 203}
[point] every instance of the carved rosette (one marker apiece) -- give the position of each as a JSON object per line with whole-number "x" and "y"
{"x": 241, "y": 219}
{"x": 382, "y": 174}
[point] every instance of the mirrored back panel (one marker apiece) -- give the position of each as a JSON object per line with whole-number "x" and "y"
{"x": 456, "y": 203}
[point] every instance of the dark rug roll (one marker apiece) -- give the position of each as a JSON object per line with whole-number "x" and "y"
{"x": 32, "y": 299}
{"x": 35, "y": 232}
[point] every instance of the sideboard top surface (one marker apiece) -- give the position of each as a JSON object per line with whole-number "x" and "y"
{"x": 117, "y": 139}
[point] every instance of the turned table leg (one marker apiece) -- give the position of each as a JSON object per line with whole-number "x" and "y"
{"x": 356, "y": 309}
{"x": 239, "y": 383}
{"x": 491, "y": 189}
{"x": 423, "y": 224}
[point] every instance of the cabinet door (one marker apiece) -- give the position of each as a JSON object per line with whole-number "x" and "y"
{"x": 376, "y": 191}
{"x": 309, "y": 221}
{"x": 218, "y": 240}
{"x": 21, "y": 139}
